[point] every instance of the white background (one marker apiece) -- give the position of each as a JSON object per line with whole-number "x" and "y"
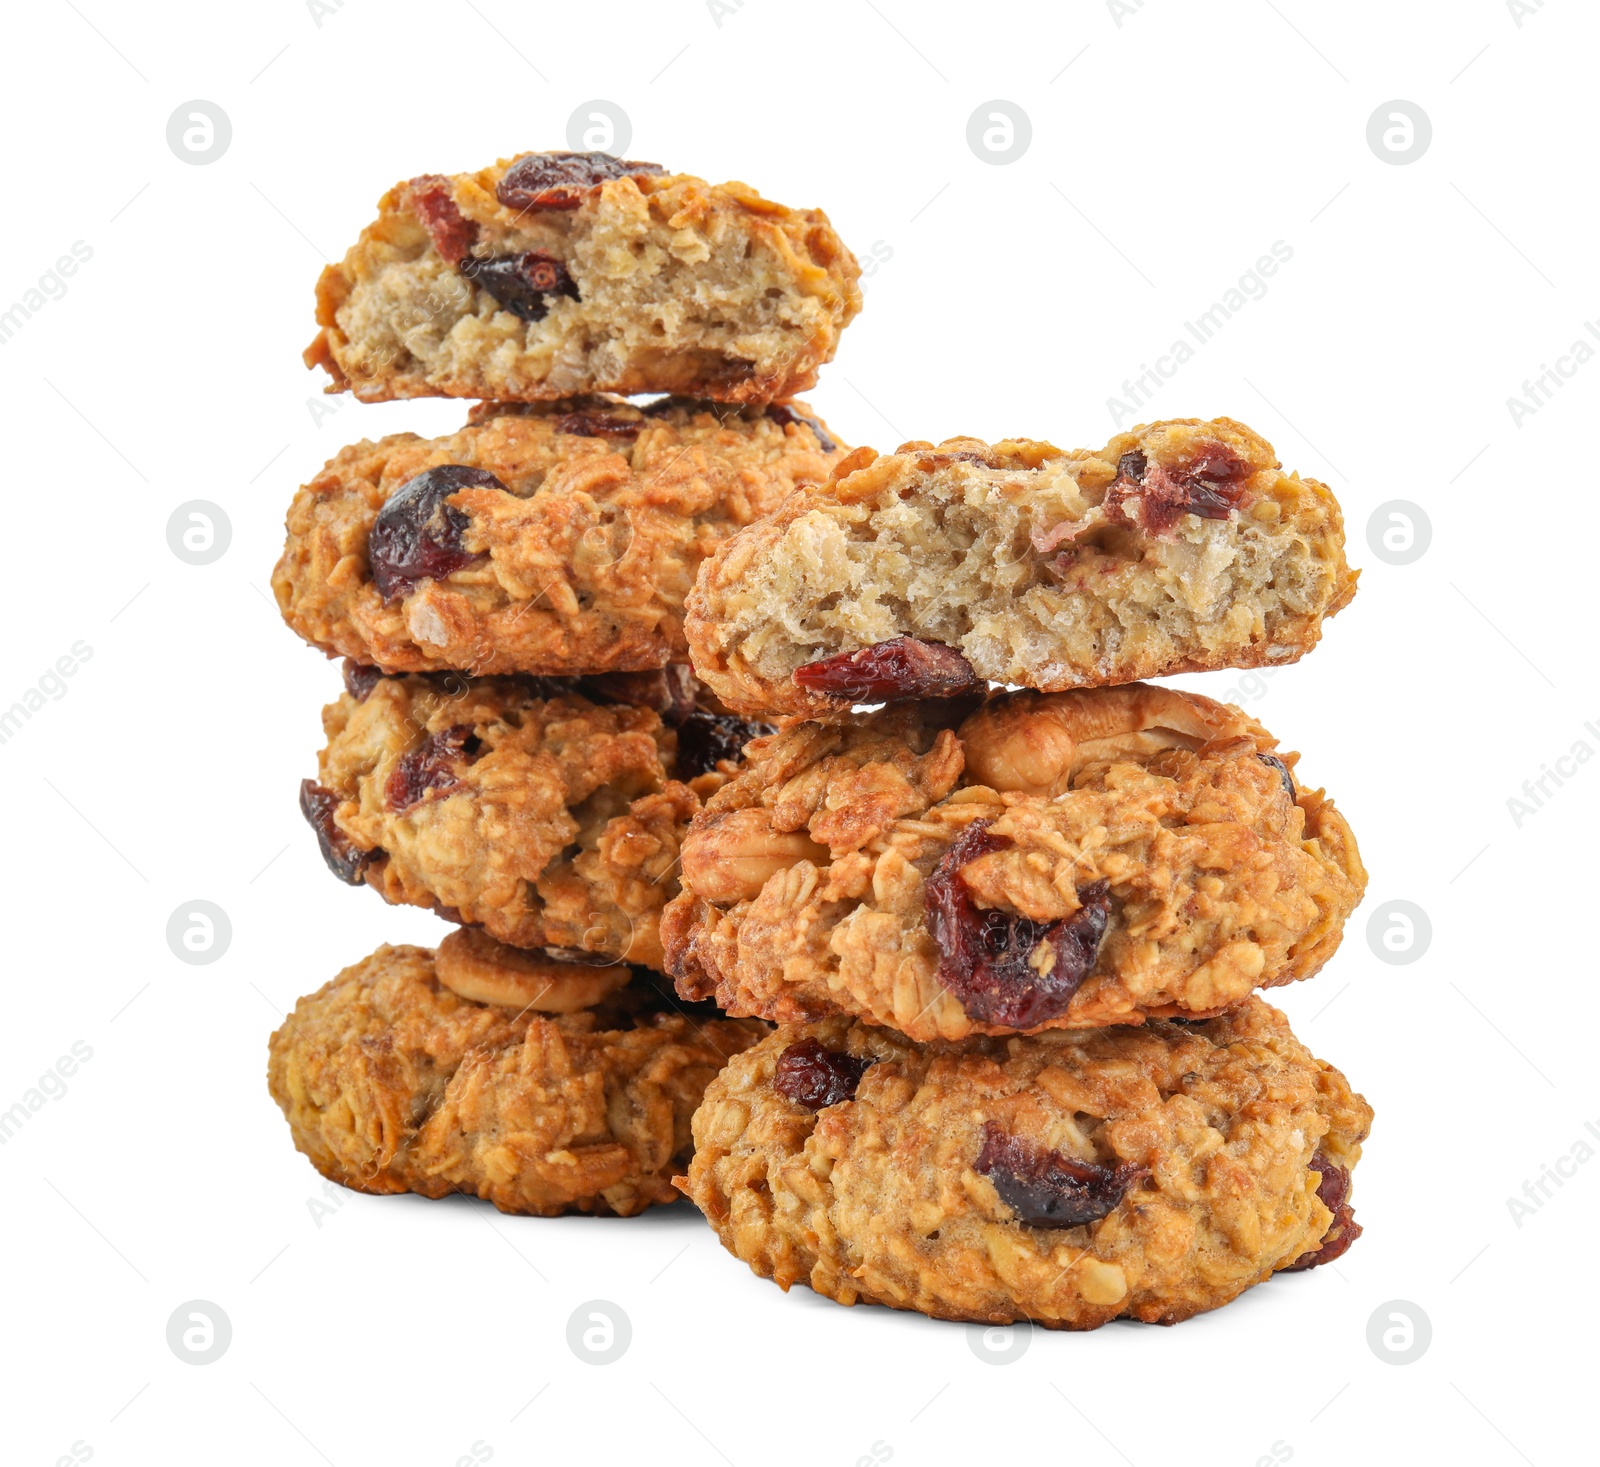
{"x": 1169, "y": 152}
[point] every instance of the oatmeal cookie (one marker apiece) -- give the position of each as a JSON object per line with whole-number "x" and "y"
{"x": 553, "y": 539}
{"x": 549, "y": 818}
{"x": 391, "y": 1082}
{"x": 1068, "y": 1178}
{"x": 551, "y": 274}
{"x": 1179, "y": 547}
{"x": 1039, "y": 861}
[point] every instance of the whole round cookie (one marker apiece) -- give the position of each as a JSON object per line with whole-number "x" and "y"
{"x": 551, "y": 274}
{"x": 554, "y": 539}
{"x": 392, "y": 1082}
{"x": 550, "y": 818}
{"x": 1179, "y": 547}
{"x": 1067, "y": 1178}
{"x": 1033, "y": 861}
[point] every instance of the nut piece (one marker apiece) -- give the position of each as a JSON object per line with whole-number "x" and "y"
{"x": 1034, "y": 743}
{"x": 730, "y": 858}
{"x": 472, "y": 965}
{"x": 1020, "y": 745}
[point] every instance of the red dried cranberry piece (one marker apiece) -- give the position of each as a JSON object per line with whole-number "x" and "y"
{"x": 1272, "y": 761}
{"x": 417, "y": 536}
{"x": 1333, "y": 1187}
{"x": 781, "y": 412}
{"x": 812, "y": 1076}
{"x": 523, "y": 283}
{"x": 360, "y": 680}
{"x": 560, "y": 180}
{"x": 1153, "y": 498}
{"x": 434, "y": 764}
{"x": 704, "y": 739}
{"x": 1048, "y": 1190}
{"x": 433, "y": 201}
{"x": 591, "y": 424}
{"x": 902, "y": 667}
{"x": 987, "y": 957}
{"x": 343, "y": 856}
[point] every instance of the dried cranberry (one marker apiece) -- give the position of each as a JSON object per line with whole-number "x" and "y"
{"x": 704, "y": 739}
{"x": 1154, "y": 497}
{"x": 591, "y": 424}
{"x": 560, "y": 180}
{"x": 343, "y": 856}
{"x": 991, "y": 961}
{"x": 1046, "y": 1189}
{"x": 433, "y": 201}
{"x": 523, "y": 283}
{"x": 1333, "y": 1187}
{"x": 1132, "y": 466}
{"x": 360, "y": 680}
{"x": 1272, "y": 761}
{"x": 902, "y": 667}
{"x": 433, "y": 764}
{"x": 812, "y": 1076}
{"x": 417, "y": 535}
{"x": 669, "y": 691}
{"x": 781, "y": 412}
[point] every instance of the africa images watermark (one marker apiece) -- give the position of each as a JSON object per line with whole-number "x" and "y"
{"x": 51, "y": 1085}
{"x": 1521, "y": 10}
{"x": 51, "y": 683}
{"x": 1250, "y": 286}
{"x": 1536, "y": 1190}
{"x": 51, "y": 286}
{"x": 1538, "y": 792}
{"x": 1538, "y": 392}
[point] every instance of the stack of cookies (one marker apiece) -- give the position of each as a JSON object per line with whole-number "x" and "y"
{"x": 519, "y": 745}
{"x": 915, "y": 801}
{"x": 1012, "y": 934}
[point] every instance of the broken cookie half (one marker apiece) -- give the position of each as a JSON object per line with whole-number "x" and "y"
{"x": 557, "y": 273}
{"x": 1182, "y": 546}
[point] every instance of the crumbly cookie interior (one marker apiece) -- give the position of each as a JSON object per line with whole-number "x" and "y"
{"x": 956, "y": 562}
{"x": 660, "y": 309}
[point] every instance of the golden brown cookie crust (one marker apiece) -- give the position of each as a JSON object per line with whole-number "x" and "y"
{"x": 879, "y": 1199}
{"x": 551, "y": 821}
{"x": 586, "y": 561}
{"x": 391, "y": 1083}
{"x": 1045, "y": 569}
{"x": 680, "y": 286}
{"x": 807, "y": 878}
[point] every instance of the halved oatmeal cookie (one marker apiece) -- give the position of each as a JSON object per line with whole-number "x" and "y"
{"x": 551, "y": 274}
{"x": 554, "y": 539}
{"x": 1068, "y": 1178}
{"x": 1179, "y": 547}
{"x": 1034, "y": 861}
{"x": 392, "y": 1082}
{"x": 548, "y": 817}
